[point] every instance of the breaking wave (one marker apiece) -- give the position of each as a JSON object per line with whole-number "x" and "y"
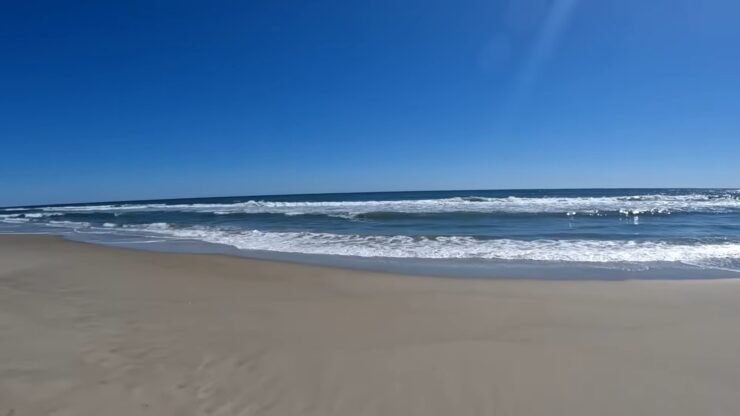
{"x": 593, "y": 206}
{"x": 459, "y": 247}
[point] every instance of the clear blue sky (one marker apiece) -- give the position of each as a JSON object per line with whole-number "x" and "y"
{"x": 105, "y": 100}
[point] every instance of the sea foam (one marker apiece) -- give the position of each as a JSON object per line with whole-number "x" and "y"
{"x": 458, "y": 247}
{"x": 570, "y": 206}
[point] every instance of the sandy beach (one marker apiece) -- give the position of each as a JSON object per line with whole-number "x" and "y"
{"x": 92, "y": 330}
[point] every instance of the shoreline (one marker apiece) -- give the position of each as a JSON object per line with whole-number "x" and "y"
{"x": 89, "y": 329}
{"x": 438, "y": 268}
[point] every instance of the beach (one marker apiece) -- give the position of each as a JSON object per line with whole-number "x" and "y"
{"x": 92, "y": 330}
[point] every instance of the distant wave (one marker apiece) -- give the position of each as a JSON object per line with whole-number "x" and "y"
{"x": 461, "y": 247}
{"x": 657, "y": 204}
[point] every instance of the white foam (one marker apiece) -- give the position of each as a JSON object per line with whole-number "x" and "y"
{"x": 458, "y": 247}
{"x": 626, "y": 205}
{"x": 70, "y": 224}
{"x": 42, "y": 214}
{"x": 13, "y": 218}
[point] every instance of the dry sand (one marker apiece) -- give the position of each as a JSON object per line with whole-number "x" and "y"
{"x": 91, "y": 330}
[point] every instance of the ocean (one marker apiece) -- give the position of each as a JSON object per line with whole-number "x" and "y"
{"x": 579, "y": 233}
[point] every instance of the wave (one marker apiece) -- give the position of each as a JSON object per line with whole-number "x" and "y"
{"x": 460, "y": 247}
{"x": 27, "y": 217}
{"x": 21, "y": 219}
{"x": 658, "y": 204}
{"x": 13, "y": 218}
{"x": 42, "y": 214}
{"x": 73, "y": 224}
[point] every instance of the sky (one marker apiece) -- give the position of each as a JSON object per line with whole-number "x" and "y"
{"x": 105, "y": 101}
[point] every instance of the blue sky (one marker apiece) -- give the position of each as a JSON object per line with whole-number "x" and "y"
{"x": 152, "y": 99}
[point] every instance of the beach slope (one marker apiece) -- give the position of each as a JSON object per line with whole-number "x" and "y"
{"x": 92, "y": 330}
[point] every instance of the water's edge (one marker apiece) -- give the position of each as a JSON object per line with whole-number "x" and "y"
{"x": 426, "y": 267}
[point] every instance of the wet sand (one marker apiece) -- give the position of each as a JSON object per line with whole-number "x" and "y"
{"x": 92, "y": 330}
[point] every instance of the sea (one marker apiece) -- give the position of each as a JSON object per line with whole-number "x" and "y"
{"x": 532, "y": 234}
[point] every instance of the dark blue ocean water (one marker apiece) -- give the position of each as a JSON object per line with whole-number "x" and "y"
{"x": 612, "y": 233}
